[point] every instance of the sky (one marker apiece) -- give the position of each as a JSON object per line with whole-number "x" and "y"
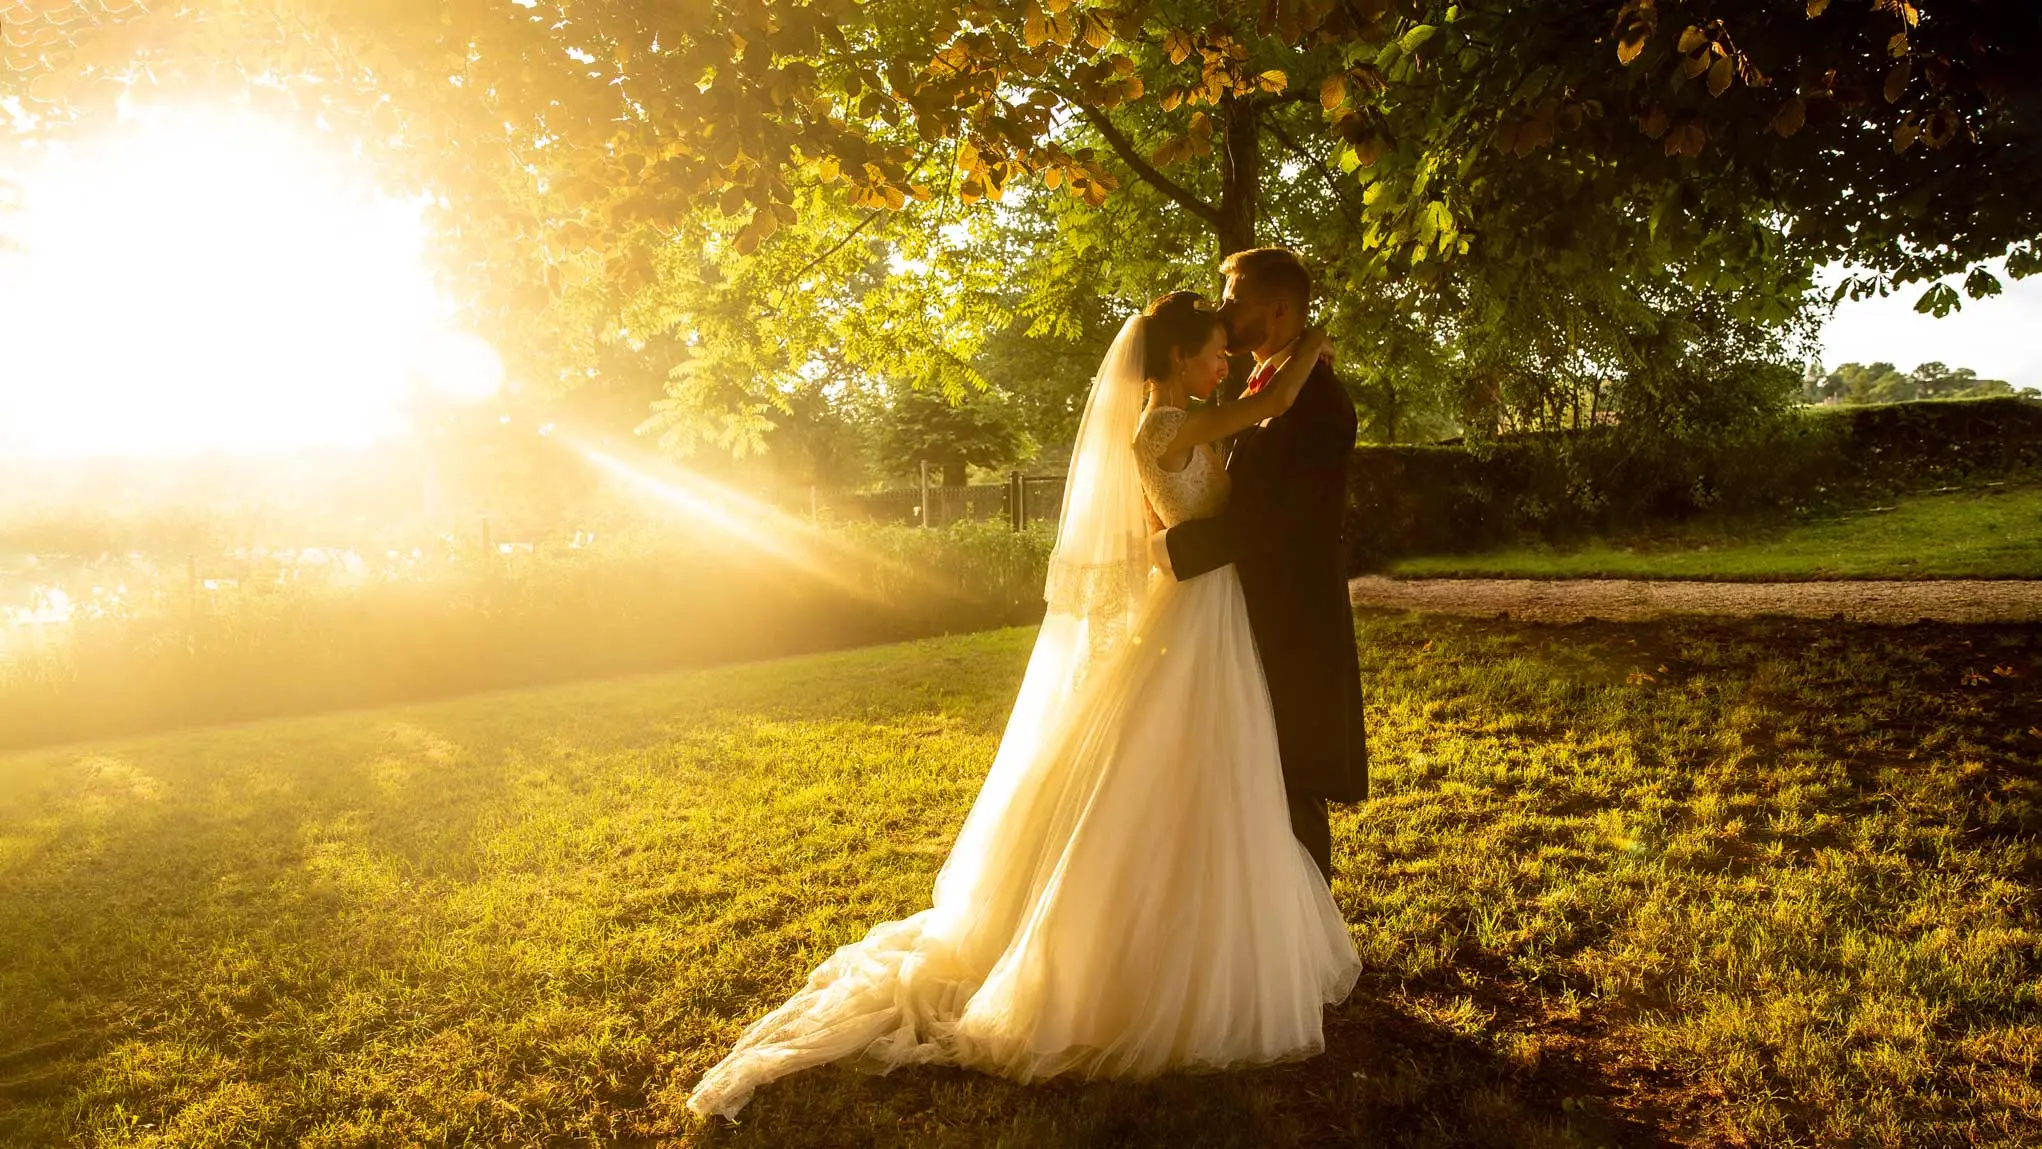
{"x": 2000, "y": 337}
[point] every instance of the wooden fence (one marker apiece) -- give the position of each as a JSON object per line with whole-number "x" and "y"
{"x": 1019, "y": 502}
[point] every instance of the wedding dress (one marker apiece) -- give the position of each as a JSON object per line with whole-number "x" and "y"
{"x": 1126, "y": 896}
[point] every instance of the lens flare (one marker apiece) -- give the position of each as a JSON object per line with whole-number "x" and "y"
{"x": 195, "y": 280}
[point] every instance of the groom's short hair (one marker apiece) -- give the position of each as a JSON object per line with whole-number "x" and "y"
{"x": 1276, "y": 271}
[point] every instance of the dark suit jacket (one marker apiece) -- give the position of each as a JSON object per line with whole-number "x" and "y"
{"x": 1281, "y": 530}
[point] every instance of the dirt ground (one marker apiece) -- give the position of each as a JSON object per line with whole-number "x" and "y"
{"x": 1566, "y": 600}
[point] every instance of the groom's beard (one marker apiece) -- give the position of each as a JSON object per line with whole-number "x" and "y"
{"x": 1245, "y": 340}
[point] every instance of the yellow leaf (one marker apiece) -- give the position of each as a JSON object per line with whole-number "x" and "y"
{"x": 1063, "y": 29}
{"x": 1052, "y": 178}
{"x": 1720, "y": 76}
{"x": 1790, "y": 117}
{"x": 1686, "y": 140}
{"x": 1034, "y": 29}
{"x": 1896, "y": 81}
{"x": 1274, "y": 81}
{"x": 1098, "y": 34}
{"x": 1201, "y": 128}
{"x": 1692, "y": 38}
{"x": 1333, "y": 92}
{"x": 1170, "y": 99}
{"x": 1815, "y": 8}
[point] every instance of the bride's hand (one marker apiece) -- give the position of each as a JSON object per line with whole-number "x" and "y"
{"x": 1314, "y": 344}
{"x": 1311, "y": 347}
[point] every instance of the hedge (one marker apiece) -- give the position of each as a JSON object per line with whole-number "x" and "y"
{"x": 1463, "y": 498}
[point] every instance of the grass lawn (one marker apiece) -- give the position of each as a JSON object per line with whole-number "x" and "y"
{"x": 1693, "y": 883}
{"x": 1972, "y": 534}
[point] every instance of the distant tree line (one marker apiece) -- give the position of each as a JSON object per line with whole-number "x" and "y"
{"x": 1885, "y": 383}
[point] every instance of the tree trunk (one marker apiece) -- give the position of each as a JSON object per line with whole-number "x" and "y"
{"x": 1240, "y": 174}
{"x": 1239, "y": 132}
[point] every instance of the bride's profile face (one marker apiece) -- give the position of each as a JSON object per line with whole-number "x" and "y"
{"x": 1202, "y": 372}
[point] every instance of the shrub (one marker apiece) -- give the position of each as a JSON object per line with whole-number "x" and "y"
{"x": 647, "y": 603}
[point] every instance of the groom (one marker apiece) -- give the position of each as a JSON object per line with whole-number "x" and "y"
{"x": 1282, "y": 533}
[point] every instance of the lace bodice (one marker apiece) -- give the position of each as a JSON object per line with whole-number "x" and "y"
{"x": 1199, "y": 491}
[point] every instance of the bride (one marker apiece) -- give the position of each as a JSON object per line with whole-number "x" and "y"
{"x": 1126, "y": 895}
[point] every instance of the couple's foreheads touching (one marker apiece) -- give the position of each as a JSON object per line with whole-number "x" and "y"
{"x": 1263, "y": 309}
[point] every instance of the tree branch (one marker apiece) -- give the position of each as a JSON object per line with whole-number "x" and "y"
{"x": 1146, "y": 170}
{"x": 793, "y": 281}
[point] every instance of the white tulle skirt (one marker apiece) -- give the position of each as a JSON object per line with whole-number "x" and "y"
{"x": 1125, "y": 898}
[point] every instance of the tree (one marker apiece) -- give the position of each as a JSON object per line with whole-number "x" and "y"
{"x": 1885, "y": 383}
{"x": 920, "y": 427}
{"x": 1934, "y": 380}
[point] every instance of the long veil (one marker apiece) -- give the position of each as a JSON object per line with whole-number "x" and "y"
{"x": 1099, "y": 567}
{"x": 1098, "y": 573}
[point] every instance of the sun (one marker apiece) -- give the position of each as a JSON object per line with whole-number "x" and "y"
{"x": 207, "y": 280}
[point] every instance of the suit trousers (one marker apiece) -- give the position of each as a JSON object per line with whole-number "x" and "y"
{"x": 1309, "y": 823}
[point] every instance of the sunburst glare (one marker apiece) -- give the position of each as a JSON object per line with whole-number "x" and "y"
{"x": 207, "y": 280}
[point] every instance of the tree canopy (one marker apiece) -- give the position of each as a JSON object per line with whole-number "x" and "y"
{"x": 1532, "y": 200}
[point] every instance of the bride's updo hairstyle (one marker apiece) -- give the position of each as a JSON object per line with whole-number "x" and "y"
{"x": 1180, "y": 322}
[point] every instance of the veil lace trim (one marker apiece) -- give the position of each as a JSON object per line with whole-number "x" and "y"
{"x": 1099, "y": 569}
{"x": 1094, "y": 589}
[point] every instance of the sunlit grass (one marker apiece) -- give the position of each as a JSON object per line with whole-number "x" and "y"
{"x": 1701, "y": 883}
{"x": 1970, "y": 534}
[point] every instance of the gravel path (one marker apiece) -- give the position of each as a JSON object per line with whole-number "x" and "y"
{"x": 1566, "y": 600}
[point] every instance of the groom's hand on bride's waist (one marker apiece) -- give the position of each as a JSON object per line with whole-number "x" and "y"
{"x": 1159, "y": 552}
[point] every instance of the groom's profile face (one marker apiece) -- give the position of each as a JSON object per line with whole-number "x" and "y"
{"x": 1246, "y": 313}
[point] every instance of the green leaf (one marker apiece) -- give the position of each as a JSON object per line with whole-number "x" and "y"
{"x": 1981, "y": 283}
{"x": 1416, "y": 37}
{"x": 1938, "y": 301}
